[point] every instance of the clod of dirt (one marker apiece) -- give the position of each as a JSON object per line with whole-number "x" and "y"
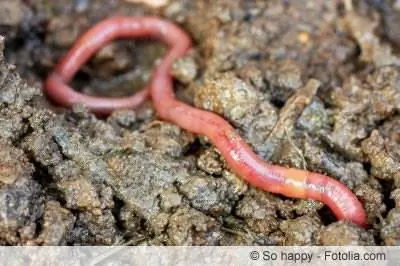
{"x": 303, "y": 207}
{"x": 372, "y": 200}
{"x": 93, "y": 228}
{"x": 390, "y": 131}
{"x": 314, "y": 118}
{"x": 65, "y": 30}
{"x": 188, "y": 226}
{"x": 391, "y": 19}
{"x": 361, "y": 104}
{"x": 372, "y": 51}
{"x": 252, "y": 74}
{"x": 300, "y": 231}
{"x": 384, "y": 164}
{"x": 21, "y": 201}
{"x": 58, "y": 223}
{"x": 14, "y": 98}
{"x": 167, "y": 138}
{"x": 390, "y": 232}
{"x": 209, "y": 195}
{"x": 185, "y": 70}
{"x": 210, "y": 162}
{"x": 151, "y": 175}
{"x": 11, "y": 16}
{"x": 283, "y": 79}
{"x": 111, "y": 60}
{"x": 259, "y": 210}
{"x": 345, "y": 234}
{"x": 123, "y": 118}
{"x": 80, "y": 183}
{"x": 395, "y": 195}
{"x": 42, "y": 148}
{"x": 129, "y": 221}
{"x": 227, "y": 95}
{"x": 13, "y": 164}
{"x": 21, "y": 204}
{"x": 80, "y": 194}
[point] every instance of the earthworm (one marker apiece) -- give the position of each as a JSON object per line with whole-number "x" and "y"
{"x": 240, "y": 157}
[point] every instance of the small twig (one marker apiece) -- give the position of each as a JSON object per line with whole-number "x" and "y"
{"x": 289, "y": 113}
{"x": 300, "y": 152}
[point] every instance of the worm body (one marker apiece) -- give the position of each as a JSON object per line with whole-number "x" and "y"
{"x": 97, "y": 37}
{"x": 238, "y": 154}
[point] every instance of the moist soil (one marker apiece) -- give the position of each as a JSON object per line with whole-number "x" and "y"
{"x": 309, "y": 84}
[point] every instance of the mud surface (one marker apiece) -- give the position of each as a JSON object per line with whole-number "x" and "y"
{"x": 313, "y": 85}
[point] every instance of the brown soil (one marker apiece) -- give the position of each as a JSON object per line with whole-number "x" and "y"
{"x": 68, "y": 177}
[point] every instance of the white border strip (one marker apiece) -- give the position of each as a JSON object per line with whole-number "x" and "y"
{"x": 193, "y": 256}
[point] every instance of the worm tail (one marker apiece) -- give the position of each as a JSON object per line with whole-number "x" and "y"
{"x": 337, "y": 196}
{"x": 304, "y": 184}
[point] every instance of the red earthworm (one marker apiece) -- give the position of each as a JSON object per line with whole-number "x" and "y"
{"x": 238, "y": 154}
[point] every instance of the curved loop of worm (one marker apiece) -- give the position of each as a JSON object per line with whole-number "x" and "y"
{"x": 97, "y": 37}
{"x": 238, "y": 154}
